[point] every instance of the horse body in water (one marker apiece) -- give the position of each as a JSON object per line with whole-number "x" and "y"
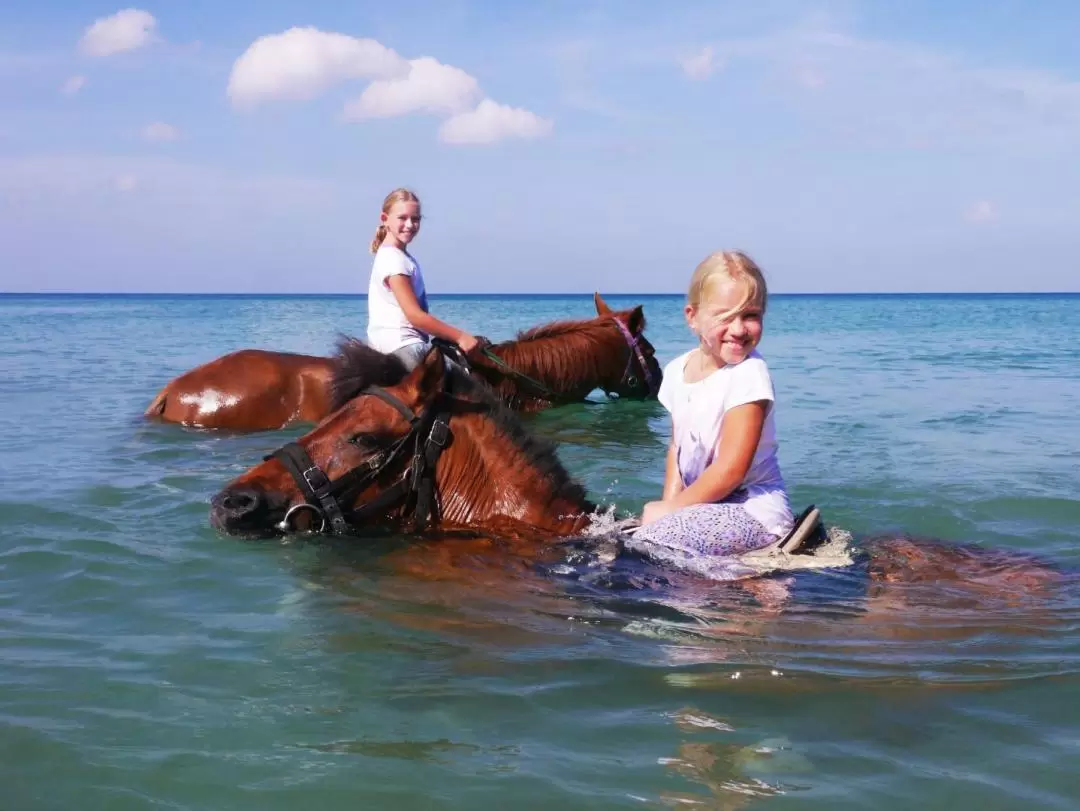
{"x": 253, "y": 389}
{"x": 434, "y": 453}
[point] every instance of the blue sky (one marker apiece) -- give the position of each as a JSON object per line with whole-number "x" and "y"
{"x": 559, "y": 146}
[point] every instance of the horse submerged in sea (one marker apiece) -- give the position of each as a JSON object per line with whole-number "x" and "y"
{"x": 550, "y": 365}
{"x": 433, "y": 453}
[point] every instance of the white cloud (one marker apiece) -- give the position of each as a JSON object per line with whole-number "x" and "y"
{"x": 84, "y": 221}
{"x": 48, "y": 178}
{"x": 124, "y": 31}
{"x": 905, "y": 94}
{"x": 430, "y": 87}
{"x": 810, "y": 76}
{"x": 491, "y": 122}
{"x": 73, "y": 85}
{"x": 125, "y": 183}
{"x": 160, "y": 131}
{"x": 701, "y": 65}
{"x": 301, "y": 63}
{"x": 981, "y": 211}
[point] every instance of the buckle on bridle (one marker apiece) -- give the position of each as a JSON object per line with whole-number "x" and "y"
{"x": 440, "y": 433}
{"x": 318, "y": 475}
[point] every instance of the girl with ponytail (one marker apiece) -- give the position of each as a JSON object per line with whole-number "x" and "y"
{"x": 398, "y": 317}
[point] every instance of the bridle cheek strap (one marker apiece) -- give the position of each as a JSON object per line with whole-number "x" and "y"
{"x": 635, "y": 346}
{"x": 415, "y": 489}
{"x": 317, "y": 489}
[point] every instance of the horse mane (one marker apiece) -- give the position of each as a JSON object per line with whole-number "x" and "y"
{"x": 358, "y": 366}
{"x": 558, "y": 350}
{"x": 540, "y": 454}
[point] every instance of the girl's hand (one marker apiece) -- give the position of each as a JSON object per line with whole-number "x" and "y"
{"x": 655, "y": 510}
{"x": 467, "y": 342}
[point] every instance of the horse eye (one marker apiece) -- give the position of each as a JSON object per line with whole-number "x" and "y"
{"x": 631, "y": 381}
{"x": 372, "y": 440}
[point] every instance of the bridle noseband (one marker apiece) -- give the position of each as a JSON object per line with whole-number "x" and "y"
{"x": 429, "y": 433}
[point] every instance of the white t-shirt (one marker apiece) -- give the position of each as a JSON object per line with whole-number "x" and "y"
{"x": 697, "y": 413}
{"x": 388, "y": 329}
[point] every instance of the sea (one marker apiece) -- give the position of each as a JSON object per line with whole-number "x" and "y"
{"x": 149, "y": 662}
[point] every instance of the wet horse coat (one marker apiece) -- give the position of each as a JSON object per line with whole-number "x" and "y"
{"x": 489, "y": 475}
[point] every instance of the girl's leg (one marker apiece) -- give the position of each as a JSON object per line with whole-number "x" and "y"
{"x": 704, "y": 538}
{"x": 716, "y": 530}
{"x": 412, "y": 354}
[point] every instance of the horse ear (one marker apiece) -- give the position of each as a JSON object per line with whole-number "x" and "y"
{"x": 426, "y": 378}
{"x": 601, "y": 305}
{"x": 636, "y": 322}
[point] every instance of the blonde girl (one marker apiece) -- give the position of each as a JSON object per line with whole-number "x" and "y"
{"x": 398, "y": 317}
{"x": 723, "y": 490}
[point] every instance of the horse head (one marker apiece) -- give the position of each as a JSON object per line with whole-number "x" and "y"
{"x": 642, "y": 375}
{"x": 431, "y": 448}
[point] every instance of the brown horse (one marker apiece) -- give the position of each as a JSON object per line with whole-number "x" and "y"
{"x": 433, "y": 449}
{"x": 254, "y": 389}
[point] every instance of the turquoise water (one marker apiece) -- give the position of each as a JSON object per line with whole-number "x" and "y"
{"x": 150, "y": 663}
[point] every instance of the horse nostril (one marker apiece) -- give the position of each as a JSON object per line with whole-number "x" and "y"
{"x": 239, "y": 502}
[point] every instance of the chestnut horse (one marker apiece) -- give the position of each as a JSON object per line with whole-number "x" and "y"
{"x": 256, "y": 390}
{"x": 433, "y": 449}
{"x": 435, "y": 453}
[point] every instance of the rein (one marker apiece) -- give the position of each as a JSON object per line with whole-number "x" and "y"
{"x": 632, "y": 341}
{"x": 543, "y": 390}
{"x": 429, "y": 433}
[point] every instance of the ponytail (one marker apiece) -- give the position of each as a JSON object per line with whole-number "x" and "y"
{"x": 380, "y": 235}
{"x": 396, "y": 196}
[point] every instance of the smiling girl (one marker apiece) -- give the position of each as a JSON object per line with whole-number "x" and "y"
{"x": 723, "y": 490}
{"x": 398, "y": 317}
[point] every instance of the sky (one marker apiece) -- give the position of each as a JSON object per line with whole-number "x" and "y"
{"x": 559, "y": 146}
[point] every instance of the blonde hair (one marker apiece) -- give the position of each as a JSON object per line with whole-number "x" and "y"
{"x": 396, "y": 196}
{"x": 735, "y": 266}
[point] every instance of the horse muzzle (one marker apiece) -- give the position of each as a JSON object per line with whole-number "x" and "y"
{"x": 248, "y": 511}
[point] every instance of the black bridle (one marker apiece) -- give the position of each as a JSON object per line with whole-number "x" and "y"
{"x": 429, "y": 433}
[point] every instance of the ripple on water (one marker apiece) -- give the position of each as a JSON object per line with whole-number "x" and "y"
{"x": 149, "y": 661}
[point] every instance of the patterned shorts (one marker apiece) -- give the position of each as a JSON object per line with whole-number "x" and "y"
{"x": 705, "y": 538}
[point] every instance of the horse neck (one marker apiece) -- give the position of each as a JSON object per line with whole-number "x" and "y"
{"x": 313, "y": 388}
{"x": 571, "y": 362}
{"x": 484, "y": 478}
